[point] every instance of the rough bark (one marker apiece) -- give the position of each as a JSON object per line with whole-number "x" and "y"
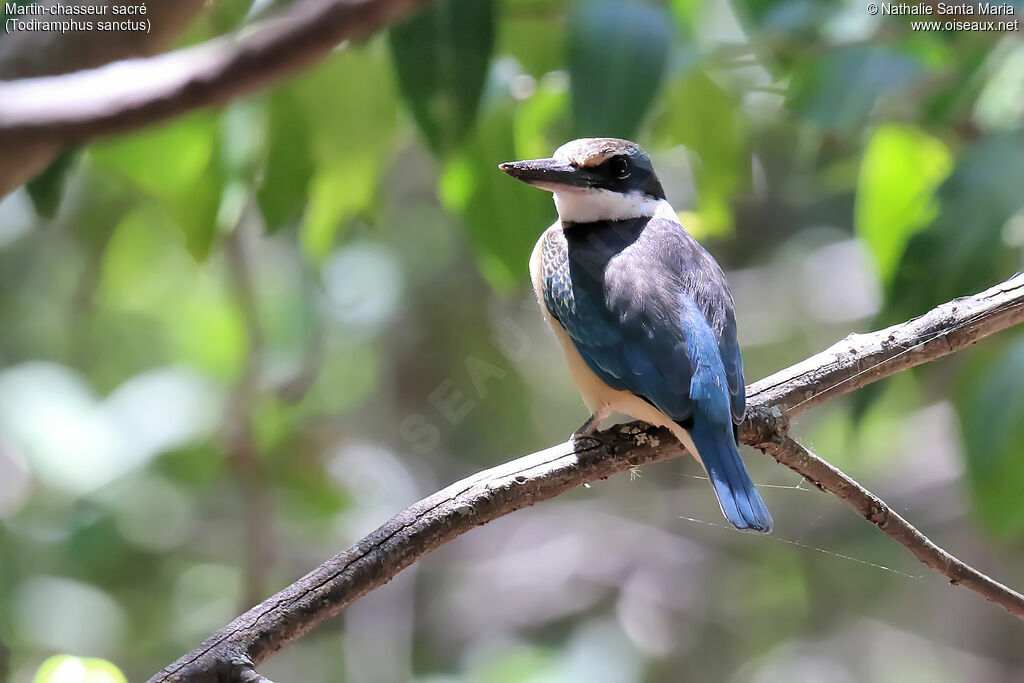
{"x": 41, "y": 53}
{"x": 72, "y": 108}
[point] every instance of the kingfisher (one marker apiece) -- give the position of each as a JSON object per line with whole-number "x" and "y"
{"x": 642, "y": 311}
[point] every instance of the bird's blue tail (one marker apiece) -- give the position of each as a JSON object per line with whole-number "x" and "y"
{"x": 740, "y": 501}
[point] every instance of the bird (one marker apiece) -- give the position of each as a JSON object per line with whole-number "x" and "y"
{"x": 642, "y": 311}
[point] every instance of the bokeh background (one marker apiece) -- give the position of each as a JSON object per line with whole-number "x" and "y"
{"x": 233, "y": 343}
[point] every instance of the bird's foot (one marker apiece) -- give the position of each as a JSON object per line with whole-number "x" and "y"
{"x": 587, "y": 428}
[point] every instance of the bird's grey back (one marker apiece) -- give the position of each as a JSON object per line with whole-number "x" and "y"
{"x": 641, "y": 261}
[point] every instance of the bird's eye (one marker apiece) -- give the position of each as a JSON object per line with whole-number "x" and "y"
{"x": 619, "y": 167}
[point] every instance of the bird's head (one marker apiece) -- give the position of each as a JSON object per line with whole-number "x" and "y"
{"x": 595, "y": 179}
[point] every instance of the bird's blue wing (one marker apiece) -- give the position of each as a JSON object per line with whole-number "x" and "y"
{"x": 629, "y": 350}
{"x": 729, "y": 349}
{"x": 674, "y": 363}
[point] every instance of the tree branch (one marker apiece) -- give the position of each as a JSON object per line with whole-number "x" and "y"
{"x": 43, "y": 53}
{"x": 861, "y": 359}
{"x": 482, "y": 497}
{"x": 872, "y": 508}
{"x": 133, "y": 93}
{"x": 38, "y": 53}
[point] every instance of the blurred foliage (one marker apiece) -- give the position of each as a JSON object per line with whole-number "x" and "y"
{"x": 319, "y": 294}
{"x": 67, "y": 669}
{"x": 983, "y": 193}
{"x": 441, "y": 55}
{"x": 992, "y": 405}
{"x": 617, "y": 55}
{"x": 901, "y": 168}
{"x": 703, "y": 117}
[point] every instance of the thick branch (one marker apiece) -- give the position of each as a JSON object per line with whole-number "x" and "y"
{"x": 478, "y": 499}
{"x": 861, "y": 359}
{"x": 133, "y": 93}
{"x": 25, "y": 54}
{"x": 38, "y": 53}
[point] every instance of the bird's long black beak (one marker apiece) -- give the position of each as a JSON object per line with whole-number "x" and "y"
{"x": 547, "y": 173}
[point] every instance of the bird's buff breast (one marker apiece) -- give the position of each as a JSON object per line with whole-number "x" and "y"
{"x": 550, "y": 260}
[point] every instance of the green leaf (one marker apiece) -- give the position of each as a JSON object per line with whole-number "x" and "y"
{"x": 337, "y": 192}
{"x": 177, "y": 164}
{"x": 901, "y": 169}
{"x": 541, "y": 121}
{"x": 701, "y": 115}
{"x": 226, "y": 15}
{"x": 1000, "y": 104}
{"x": 350, "y": 111}
{"x": 289, "y": 164}
{"x": 962, "y": 251}
{"x": 966, "y": 70}
{"x": 46, "y": 188}
{"x": 788, "y": 19}
{"x": 110, "y": 198}
{"x": 993, "y": 433}
{"x": 518, "y": 662}
{"x": 532, "y": 31}
{"x": 243, "y": 135}
{"x": 441, "y": 56}
{"x": 841, "y": 89}
{"x": 144, "y": 264}
{"x": 503, "y": 219}
{"x": 147, "y": 272}
{"x": 69, "y": 669}
{"x": 164, "y": 160}
{"x": 618, "y": 51}
{"x": 687, "y": 14}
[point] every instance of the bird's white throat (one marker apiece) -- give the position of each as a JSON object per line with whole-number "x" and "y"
{"x": 592, "y": 204}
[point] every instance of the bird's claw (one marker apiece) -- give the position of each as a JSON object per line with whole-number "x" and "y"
{"x": 587, "y": 428}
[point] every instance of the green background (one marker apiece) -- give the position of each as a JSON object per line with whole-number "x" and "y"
{"x": 233, "y": 343}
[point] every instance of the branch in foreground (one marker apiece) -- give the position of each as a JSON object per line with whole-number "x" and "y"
{"x": 25, "y": 54}
{"x": 478, "y": 499}
{"x": 38, "y": 53}
{"x": 133, "y": 93}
